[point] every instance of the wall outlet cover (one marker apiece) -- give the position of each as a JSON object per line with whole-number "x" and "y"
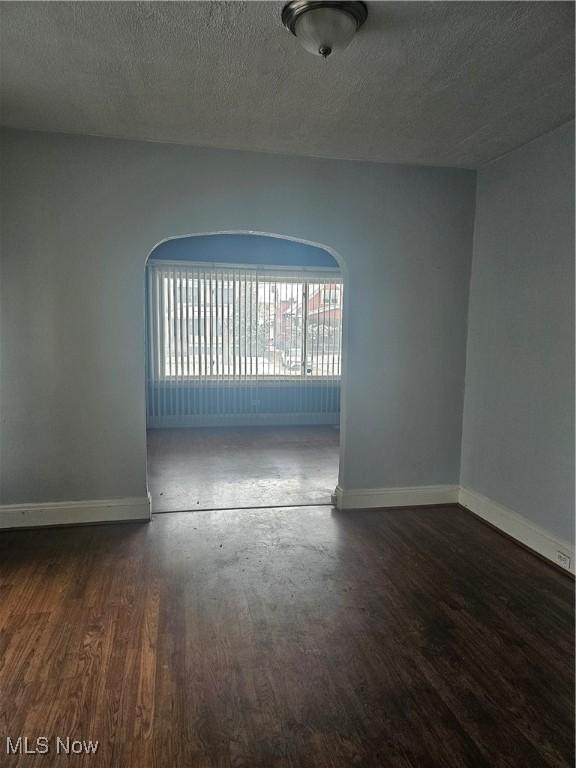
{"x": 563, "y": 560}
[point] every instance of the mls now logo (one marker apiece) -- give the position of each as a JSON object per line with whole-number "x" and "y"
{"x": 42, "y": 746}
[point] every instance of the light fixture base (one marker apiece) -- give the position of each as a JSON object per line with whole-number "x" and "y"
{"x": 293, "y": 10}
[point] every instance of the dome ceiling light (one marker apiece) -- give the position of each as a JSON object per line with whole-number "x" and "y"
{"x": 324, "y": 26}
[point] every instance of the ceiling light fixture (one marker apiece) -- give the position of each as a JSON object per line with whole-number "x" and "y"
{"x": 324, "y": 26}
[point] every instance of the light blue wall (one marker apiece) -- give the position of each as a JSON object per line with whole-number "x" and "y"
{"x": 81, "y": 215}
{"x": 518, "y": 436}
{"x": 244, "y": 249}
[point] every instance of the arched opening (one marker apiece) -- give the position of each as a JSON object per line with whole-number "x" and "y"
{"x": 244, "y": 350}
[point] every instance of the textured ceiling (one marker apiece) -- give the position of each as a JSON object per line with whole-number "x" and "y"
{"x": 444, "y": 83}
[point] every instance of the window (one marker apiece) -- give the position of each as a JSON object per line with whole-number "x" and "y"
{"x": 211, "y": 322}
{"x": 331, "y": 295}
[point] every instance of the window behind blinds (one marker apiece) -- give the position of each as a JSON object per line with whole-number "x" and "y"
{"x": 233, "y": 341}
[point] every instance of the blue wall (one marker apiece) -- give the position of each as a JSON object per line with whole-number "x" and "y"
{"x": 518, "y": 437}
{"x": 404, "y": 231}
{"x": 244, "y": 249}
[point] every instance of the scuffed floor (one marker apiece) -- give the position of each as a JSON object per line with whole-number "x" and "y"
{"x": 194, "y": 469}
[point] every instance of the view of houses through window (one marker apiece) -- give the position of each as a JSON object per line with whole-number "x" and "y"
{"x": 242, "y": 323}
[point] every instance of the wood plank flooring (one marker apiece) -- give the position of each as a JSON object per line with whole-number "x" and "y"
{"x": 301, "y": 638}
{"x": 192, "y": 469}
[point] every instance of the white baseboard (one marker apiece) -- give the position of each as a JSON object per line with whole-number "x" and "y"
{"x": 138, "y": 509}
{"x": 418, "y": 495}
{"x": 74, "y": 512}
{"x": 515, "y": 525}
{"x": 518, "y": 527}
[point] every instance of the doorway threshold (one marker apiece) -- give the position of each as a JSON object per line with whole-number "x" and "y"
{"x": 234, "y": 509}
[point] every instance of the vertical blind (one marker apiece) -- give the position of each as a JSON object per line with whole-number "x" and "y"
{"x": 230, "y": 341}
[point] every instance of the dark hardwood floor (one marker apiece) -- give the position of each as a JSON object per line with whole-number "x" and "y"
{"x": 193, "y": 469}
{"x": 297, "y": 637}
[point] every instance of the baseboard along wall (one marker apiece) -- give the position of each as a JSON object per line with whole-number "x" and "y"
{"x": 75, "y": 512}
{"x": 512, "y": 523}
{"x": 420, "y": 495}
{"x": 506, "y": 520}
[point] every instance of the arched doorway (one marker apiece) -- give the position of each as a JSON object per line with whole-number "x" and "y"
{"x": 244, "y": 368}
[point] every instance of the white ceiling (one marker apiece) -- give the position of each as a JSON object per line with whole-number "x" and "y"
{"x": 443, "y": 83}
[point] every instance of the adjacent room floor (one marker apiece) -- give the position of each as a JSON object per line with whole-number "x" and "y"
{"x": 276, "y": 638}
{"x": 194, "y": 469}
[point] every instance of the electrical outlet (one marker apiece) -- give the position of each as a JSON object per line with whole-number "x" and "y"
{"x": 563, "y": 560}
